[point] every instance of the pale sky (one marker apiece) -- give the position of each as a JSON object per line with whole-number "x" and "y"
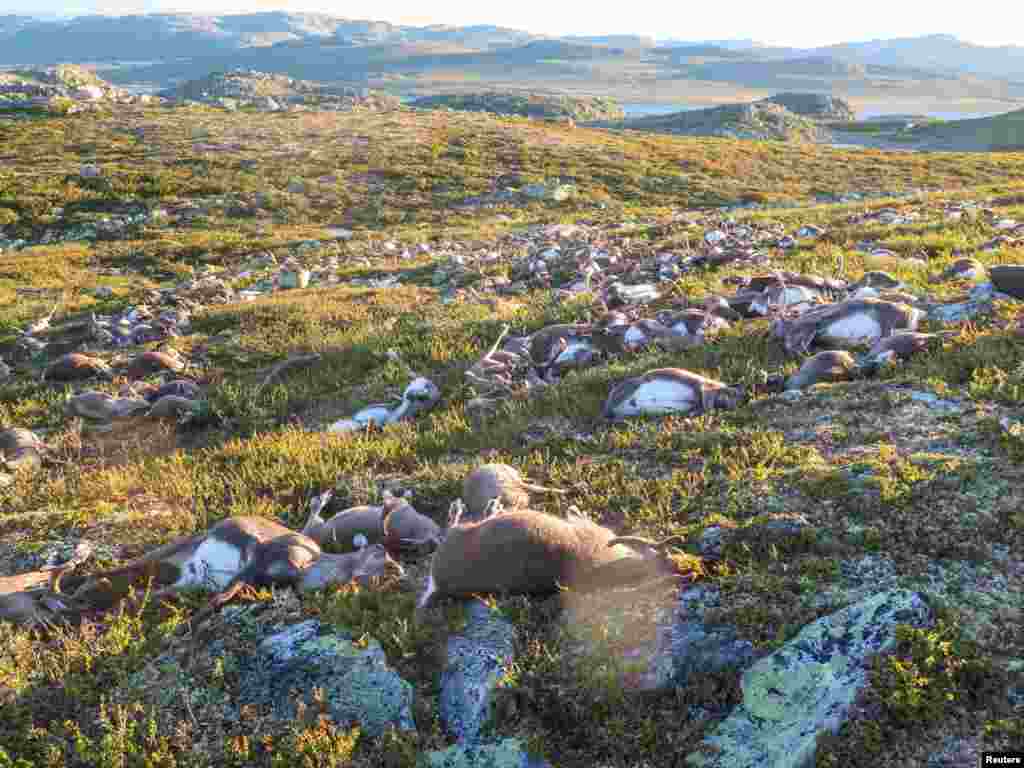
{"x": 797, "y": 23}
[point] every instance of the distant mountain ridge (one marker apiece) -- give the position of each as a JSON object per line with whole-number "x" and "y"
{"x": 355, "y": 47}
{"x": 27, "y": 41}
{"x": 942, "y": 53}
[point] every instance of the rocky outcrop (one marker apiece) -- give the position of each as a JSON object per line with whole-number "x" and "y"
{"x": 816, "y": 106}
{"x": 758, "y": 120}
{"x": 269, "y": 92}
{"x": 64, "y": 89}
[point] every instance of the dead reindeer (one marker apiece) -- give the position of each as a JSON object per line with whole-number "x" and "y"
{"x": 497, "y": 481}
{"x": 235, "y": 553}
{"x": 670, "y": 391}
{"x": 495, "y": 368}
{"x": 396, "y": 525}
{"x": 496, "y": 376}
{"x": 528, "y": 552}
{"x": 34, "y": 598}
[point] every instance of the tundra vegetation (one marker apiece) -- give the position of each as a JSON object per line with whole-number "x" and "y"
{"x": 873, "y": 471}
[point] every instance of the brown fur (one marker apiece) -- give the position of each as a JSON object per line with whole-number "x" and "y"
{"x": 800, "y": 333}
{"x": 75, "y": 366}
{"x": 903, "y": 345}
{"x": 152, "y": 362}
{"x": 20, "y": 447}
{"x": 527, "y": 552}
{"x": 831, "y": 366}
{"x": 396, "y": 525}
{"x": 19, "y": 596}
{"x": 544, "y": 341}
{"x": 497, "y": 481}
{"x": 271, "y": 555}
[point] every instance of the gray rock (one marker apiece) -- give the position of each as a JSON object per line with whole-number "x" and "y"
{"x": 934, "y": 401}
{"x": 959, "y": 312}
{"x": 477, "y": 659}
{"x": 988, "y": 292}
{"x": 549, "y": 191}
{"x": 815, "y": 105}
{"x": 507, "y": 753}
{"x": 1009, "y": 278}
{"x": 792, "y": 695}
{"x": 358, "y": 685}
{"x": 710, "y": 544}
{"x": 692, "y": 645}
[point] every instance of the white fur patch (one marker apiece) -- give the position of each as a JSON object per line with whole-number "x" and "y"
{"x": 212, "y": 566}
{"x": 913, "y": 319}
{"x": 420, "y": 389}
{"x": 378, "y": 414}
{"x": 345, "y": 425}
{"x": 854, "y": 327}
{"x": 795, "y": 294}
{"x": 657, "y": 397}
{"x": 635, "y": 337}
{"x": 681, "y": 328}
{"x": 571, "y": 350}
{"x": 866, "y": 292}
{"x": 429, "y": 591}
{"x": 788, "y": 296}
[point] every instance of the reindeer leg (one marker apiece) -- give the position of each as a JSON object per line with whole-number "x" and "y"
{"x": 316, "y": 506}
{"x": 455, "y": 512}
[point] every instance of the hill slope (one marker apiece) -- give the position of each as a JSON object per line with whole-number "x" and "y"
{"x": 758, "y": 120}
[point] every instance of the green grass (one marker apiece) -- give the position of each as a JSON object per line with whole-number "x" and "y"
{"x": 873, "y": 472}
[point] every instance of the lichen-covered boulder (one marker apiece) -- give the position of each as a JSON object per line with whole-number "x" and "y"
{"x": 508, "y": 753}
{"x": 477, "y": 659}
{"x": 358, "y": 686}
{"x": 808, "y": 685}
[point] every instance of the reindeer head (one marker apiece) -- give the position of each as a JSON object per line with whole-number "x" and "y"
{"x": 375, "y": 562}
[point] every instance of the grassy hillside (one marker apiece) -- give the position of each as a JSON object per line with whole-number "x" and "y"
{"x": 1001, "y": 132}
{"x": 525, "y": 105}
{"x": 876, "y": 473}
